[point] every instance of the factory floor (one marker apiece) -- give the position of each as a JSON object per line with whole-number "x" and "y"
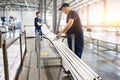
{"x": 105, "y": 63}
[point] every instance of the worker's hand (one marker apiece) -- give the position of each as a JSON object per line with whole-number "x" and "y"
{"x": 41, "y": 24}
{"x": 58, "y": 35}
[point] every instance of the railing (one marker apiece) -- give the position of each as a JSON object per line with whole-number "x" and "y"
{"x": 5, "y": 45}
{"x": 112, "y": 45}
{"x": 105, "y": 28}
{"x": 78, "y": 69}
{"x": 37, "y": 48}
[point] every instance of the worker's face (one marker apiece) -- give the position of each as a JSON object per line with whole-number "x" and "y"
{"x": 64, "y": 9}
{"x": 38, "y": 15}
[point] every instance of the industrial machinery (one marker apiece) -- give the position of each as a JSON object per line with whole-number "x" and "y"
{"x": 9, "y": 24}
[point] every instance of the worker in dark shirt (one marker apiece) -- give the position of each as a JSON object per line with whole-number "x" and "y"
{"x": 73, "y": 27}
{"x": 38, "y": 23}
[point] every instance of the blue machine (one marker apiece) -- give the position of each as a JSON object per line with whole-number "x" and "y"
{"x": 10, "y": 24}
{"x": 3, "y": 19}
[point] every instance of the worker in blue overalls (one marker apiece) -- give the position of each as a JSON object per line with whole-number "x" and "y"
{"x": 73, "y": 27}
{"x": 38, "y": 24}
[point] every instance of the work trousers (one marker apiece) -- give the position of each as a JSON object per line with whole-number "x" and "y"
{"x": 78, "y": 44}
{"x": 40, "y": 32}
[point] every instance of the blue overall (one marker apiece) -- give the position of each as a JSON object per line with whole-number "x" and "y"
{"x": 38, "y": 28}
{"x": 76, "y": 30}
{"x": 79, "y": 44}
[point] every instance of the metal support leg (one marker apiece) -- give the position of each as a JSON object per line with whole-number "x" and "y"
{"x": 73, "y": 43}
{"x": 38, "y": 53}
{"x": 21, "y": 49}
{"x": 116, "y": 49}
{"x": 25, "y": 41}
{"x": 98, "y": 46}
{"x": 93, "y": 43}
{"x": 5, "y": 59}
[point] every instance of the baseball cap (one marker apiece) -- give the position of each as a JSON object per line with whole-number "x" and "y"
{"x": 64, "y": 5}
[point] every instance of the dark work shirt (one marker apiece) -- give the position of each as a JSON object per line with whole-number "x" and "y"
{"x": 35, "y": 23}
{"x": 76, "y": 28}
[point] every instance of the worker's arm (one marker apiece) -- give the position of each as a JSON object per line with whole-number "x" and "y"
{"x": 39, "y": 24}
{"x": 68, "y": 25}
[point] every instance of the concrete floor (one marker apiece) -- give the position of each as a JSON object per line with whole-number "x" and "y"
{"x": 50, "y": 64}
{"x": 106, "y": 63}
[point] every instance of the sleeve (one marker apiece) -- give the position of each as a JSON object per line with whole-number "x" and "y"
{"x": 36, "y": 20}
{"x": 73, "y": 15}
